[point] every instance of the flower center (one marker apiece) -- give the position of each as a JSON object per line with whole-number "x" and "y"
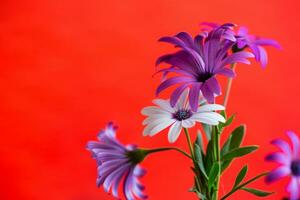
{"x": 204, "y": 76}
{"x": 295, "y": 167}
{"x": 182, "y": 115}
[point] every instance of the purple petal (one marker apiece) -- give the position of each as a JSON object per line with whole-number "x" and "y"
{"x": 207, "y": 93}
{"x": 243, "y": 31}
{"x": 177, "y": 93}
{"x": 240, "y": 57}
{"x": 263, "y": 56}
{"x": 295, "y": 141}
{"x": 278, "y": 173}
{"x": 186, "y": 38}
{"x": 283, "y": 145}
{"x": 194, "y": 96}
{"x": 172, "y": 81}
{"x": 279, "y": 158}
{"x": 294, "y": 188}
{"x": 267, "y": 42}
{"x": 128, "y": 181}
{"x": 226, "y": 72}
{"x": 173, "y": 40}
{"x": 213, "y": 85}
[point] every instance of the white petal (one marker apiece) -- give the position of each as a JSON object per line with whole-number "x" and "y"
{"x": 160, "y": 126}
{"x": 182, "y": 99}
{"x": 206, "y": 120}
{"x": 188, "y": 123}
{"x": 174, "y": 132}
{"x": 153, "y": 124}
{"x": 210, "y": 107}
{"x": 212, "y": 115}
{"x": 153, "y": 118}
{"x": 151, "y": 110}
{"x": 165, "y": 104}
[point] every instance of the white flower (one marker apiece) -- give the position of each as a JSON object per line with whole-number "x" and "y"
{"x": 180, "y": 116}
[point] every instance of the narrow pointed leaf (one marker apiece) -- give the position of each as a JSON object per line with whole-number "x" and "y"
{"x": 237, "y": 136}
{"x": 209, "y": 156}
{"x": 229, "y": 121}
{"x": 214, "y": 172}
{"x": 239, "y": 152}
{"x": 199, "y": 160}
{"x": 240, "y": 177}
{"x": 257, "y": 192}
{"x": 207, "y": 130}
{"x": 199, "y": 141}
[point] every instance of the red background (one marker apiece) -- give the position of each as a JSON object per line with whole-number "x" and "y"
{"x": 68, "y": 67}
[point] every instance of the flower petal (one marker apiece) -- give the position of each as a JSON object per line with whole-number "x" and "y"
{"x": 294, "y": 188}
{"x": 194, "y": 96}
{"x": 188, "y": 123}
{"x": 295, "y": 141}
{"x": 284, "y": 146}
{"x": 176, "y": 94}
{"x": 164, "y": 104}
{"x": 279, "y": 158}
{"x": 174, "y": 132}
{"x": 210, "y": 107}
{"x": 172, "y": 81}
{"x": 278, "y": 173}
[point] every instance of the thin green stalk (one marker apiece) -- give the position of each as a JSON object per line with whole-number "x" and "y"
{"x": 228, "y": 87}
{"x": 189, "y": 143}
{"x": 149, "y": 151}
{"x": 243, "y": 185}
{"x": 218, "y": 160}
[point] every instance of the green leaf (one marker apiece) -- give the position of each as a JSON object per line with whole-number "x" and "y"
{"x": 239, "y": 152}
{"x": 229, "y": 120}
{"x": 226, "y": 146}
{"x": 199, "y": 194}
{"x": 240, "y": 177}
{"x": 257, "y": 192}
{"x": 207, "y": 130}
{"x": 234, "y": 140}
{"x": 199, "y": 160}
{"x": 209, "y": 156}
{"x": 199, "y": 141}
{"x": 214, "y": 172}
{"x": 237, "y": 136}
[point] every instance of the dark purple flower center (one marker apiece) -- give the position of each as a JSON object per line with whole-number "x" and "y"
{"x": 182, "y": 115}
{"x": 204, "y": 76}
{"x": 295, "y": 167}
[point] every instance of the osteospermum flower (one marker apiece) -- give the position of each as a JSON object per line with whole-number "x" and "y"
{"x": 163, "y": 115}
{"x": 289, "y": 161}
{"x": 117, "y": 164}
{"x": 255, "y": 43}
{"x": 198, "y": 62}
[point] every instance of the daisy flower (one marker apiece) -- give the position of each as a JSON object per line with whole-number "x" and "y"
{"x": 163, "y": 115}
{"x": 198, "y": 62}
{"x": 255, "y": 43}
{"x": 289, "y": 161}
{"x": 117, "y": 165}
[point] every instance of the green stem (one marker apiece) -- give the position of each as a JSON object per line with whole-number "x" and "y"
{"x": 218, "y": 160}
{"x": 198, "y": 185}
{"x": 228, "y": 87}
{"x": 189, "y": 142}
{"x": 243, "y": 185}
{"x": 149, "y": 151}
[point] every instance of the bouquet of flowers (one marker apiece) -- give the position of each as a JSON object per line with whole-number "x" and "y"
{"x": 193, "y": 70}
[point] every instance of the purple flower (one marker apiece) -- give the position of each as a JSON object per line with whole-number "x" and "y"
{"x": 289, "y": 160}
{"x": 198, "y": 62}
{"x": 117, "y": 164}
{"x": 256, "y": 44}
